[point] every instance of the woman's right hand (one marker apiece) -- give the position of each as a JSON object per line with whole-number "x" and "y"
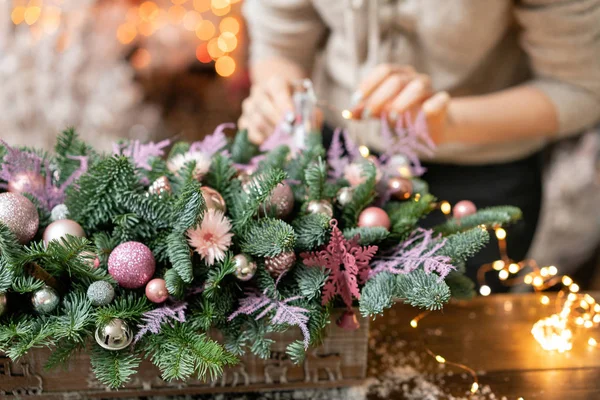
{"x": 266, "y": 107}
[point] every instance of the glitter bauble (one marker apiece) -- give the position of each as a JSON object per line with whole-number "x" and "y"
{"x": 463, "y": 208}
{"x": 19, "y": 214}
{"x": 156, "y": 290}
{"x": 400, "y": 188}
{"x": 213, "y": 199}
{"x": 131, "y": 264}
{"x": 160, "y": 185}
{"x": 2, "y": 303}
{"x": 373, "y": 217}
{"x": 115, "y": 335}
{"x": 90, "y": 259}
{"x": 344, "y": 196}
{"x": 61, "y": 228}
{"x": 281, "y": 201}
{"x": 26, "y": 182}
{"x": 245, "y": 268}
{"x": 320, "y": 207}
{"x": 348, "y": 321}
{"x": 59, "y": 212}
{"x": 45, "y": 300}
{"x": 101, "y": 293}
{"x": 280, "y": 264}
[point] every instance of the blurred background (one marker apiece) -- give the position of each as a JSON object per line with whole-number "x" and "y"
{"x": 119, "y": 68}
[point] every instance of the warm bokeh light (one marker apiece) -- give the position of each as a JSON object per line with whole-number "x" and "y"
{"x": 146, "y": 28}
{"x": 229, "y": 24}
{"x": 214, "y": 50}
{"x": 219, "y": 12}
{"x": 513, "y": 268}
{"x": 364, "y": 151}
{"x": 225, "y": 66}
{"x": 485, "y": 290}
{"x": 148, "y": 11}
{"x": 500, "y": 234}
{"x": 545, "y": 300}
{"x": 178, "y": 2}
{"x": 141, "y": 58}
{"x": 346, "y": 114}
{"x": 18, "y": 15}
{"x": 202, "y": 53}
{"x": 51, "y": 19}
{"x": 191, "y": 20}
{"x": 32, "y": 14}
{"x": 227, "y": 42}
{"x": 498, "y": 265}
{"x": 126, "y": 33}
{"x": 220, "y": 3}
{"x": 202, "y": 5}
{"x": 176, "y": 14}
{"x": 205, "y": 30}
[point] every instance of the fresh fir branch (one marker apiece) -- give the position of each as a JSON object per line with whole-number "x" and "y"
{"x": 189, "y": 208}
{"x": 216, "y": 274}
{"x": 260, "y": 344}
{"x": 113, "y": 368}
{"x": 423, "y": 290}
{"x": 159, "y": 245}
{"x": 6, "y": 275}
{"x": 62, "y": 353}
{"x": 220, "y": 174}
{"x": 242, "y": 150}
{"x": 180, "y": 257}
{"x": 180, "y": 352}
{"x": 461, "y": 287}
{"x": 312, "y": 231}
{"x": 363, "y": 195}
{"x": 297, "y": 167}
{"x": 178, "y": 148}
{"x": 315, "y": 179}
{"x": 406, "y": 215}
{"x": 175, "y": 285}
{"x": 310, "y": 281}
{"x": 152, "y": 210}
{"x": 296, "y": 351}
{"x": 17, "y": 337}
{"x": 104, "y": 246}
{"x": 268, "y": 237}
{"x": 127, "y": 307}
{"x": 275, "y": 158}
{"x": 26, "y": 284}
{"x": 463, "y": 245}
{"x": 367, "y": 235}
{"x": 76, "y": 320}
{"x": 378, "y": 294}
{"x": 235, "y": 337}
{"x": 490, "y": 217}
{"x": 10, "y": 250}
{"x": 68, "y": 145}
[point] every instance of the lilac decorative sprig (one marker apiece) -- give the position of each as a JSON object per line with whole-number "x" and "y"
{"x": 214, "y": 142}
{"x": 280, "y": 137}
{"x": 48, "y": 194}
{"x": 154, "y": 319}
{"x": 141, "y": 153}
{"x": 335, "y": 155}
{"x": 419, "y": 249}
{"x": 284, "y": 312}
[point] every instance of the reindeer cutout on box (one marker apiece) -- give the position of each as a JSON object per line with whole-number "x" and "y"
{"x": 26, "y": 384}
{"x": 278, "y": 363}
{"x": 236, "y": 372}
{"x": 315, "y": 363}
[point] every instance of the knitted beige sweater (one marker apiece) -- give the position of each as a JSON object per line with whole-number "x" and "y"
{"x": 468, "y": 47}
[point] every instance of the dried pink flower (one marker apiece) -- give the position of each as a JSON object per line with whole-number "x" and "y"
{"x": 212, "y": 237}
{"x": 202, "y": 160}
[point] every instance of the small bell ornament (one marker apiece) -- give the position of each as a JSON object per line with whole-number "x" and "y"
{"x": 245, "y": 268}
{"x": 348, "y": 321}
{"x": 45, "y": 300}
{"x": 2, "y": 303}
{"x": 320, "y": 207}
{"x": 115, "y": 335}
{"x": 280, "y": 264}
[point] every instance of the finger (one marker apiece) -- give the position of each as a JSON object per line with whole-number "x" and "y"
{"x": 263, "y": 104}
{"x": 436, "y": 113}
{"x": 261, "y": 124}
{"x": 375, "y": 78}
{"x": 280, "y": 92}
{"x": 384, "y": 94}
{"x": 413, "y": 94}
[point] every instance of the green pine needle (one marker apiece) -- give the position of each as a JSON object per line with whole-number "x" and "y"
{"x": 490, "y": 217}
{"x": 268, "y": 237}
{"x": 367, "y": 235}
{"x": 113, "y": 368}
{"x": 312, "y": 231}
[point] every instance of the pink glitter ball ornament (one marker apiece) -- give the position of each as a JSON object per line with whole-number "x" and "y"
{"x": 131, "y": 264}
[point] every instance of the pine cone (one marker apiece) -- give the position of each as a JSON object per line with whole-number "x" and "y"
{"x": 280, "y": 264}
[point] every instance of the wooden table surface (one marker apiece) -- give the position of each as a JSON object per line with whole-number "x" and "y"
{"x": 492, "y": 335}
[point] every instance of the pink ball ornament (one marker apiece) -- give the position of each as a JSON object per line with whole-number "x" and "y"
{"x": 372, "y": 217}
{"x": 19, "y": 214}
{"x": 463, "y": 208}
{"x": 61, "y": 228}
{"x": 26, "y": 182}
{"x": 131, "y": 264}
{"x": 348, "y": 321}
{"x": 156, "y": 290}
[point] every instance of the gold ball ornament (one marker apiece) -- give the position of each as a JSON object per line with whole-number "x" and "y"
{"x": 19, "y": 214}
{"x": 400, "y": 188}
{"x": 320, "y": 207}
{"x": 115, "y": 335}
{"x": 213, "y": 199}
{"x": 245, "y": 268}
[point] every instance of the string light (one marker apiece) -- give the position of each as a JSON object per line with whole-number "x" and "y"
{"x": 513, "y": 268}
{"x": 225, "y": 66}
{"x": 500, "y": 234}
{"x": 346, "y": 114}
{"x": 545, "y": 300}
{"x": 445, "y": 207}
{"x": 364, "y": 151}
{"x": 485, "y": 290}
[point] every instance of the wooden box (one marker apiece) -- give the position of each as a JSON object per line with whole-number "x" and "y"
{"x": 340, "y": 361}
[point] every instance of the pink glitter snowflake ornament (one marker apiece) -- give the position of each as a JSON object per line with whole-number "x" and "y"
{"x": 348, "y": 265}
{"x": 212, "y": 237}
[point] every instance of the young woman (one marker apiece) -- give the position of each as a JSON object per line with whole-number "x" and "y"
{"x": 497, "y": 81}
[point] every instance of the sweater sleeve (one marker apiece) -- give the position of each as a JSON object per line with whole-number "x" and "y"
{"x": 562, "y": 40}
{"x": 291, "y": 29}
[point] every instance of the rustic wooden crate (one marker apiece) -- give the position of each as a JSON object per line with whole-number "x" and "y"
{"x": 340, "y": 361}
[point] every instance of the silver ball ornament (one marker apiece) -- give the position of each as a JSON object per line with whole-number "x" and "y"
{"x": 320, "y": 207}
{"x": 59, "y": 212}
{"x": 245, "y": 268}
{"x": 344, "y": 196}
{"x": 2, "y": 303}
{"x": 115, "y": 335}
{"x": 45, "y": 300}
{"x": 101, "y": 293}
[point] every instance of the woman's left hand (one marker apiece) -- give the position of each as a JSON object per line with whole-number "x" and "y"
{"x": 394, "y": 90}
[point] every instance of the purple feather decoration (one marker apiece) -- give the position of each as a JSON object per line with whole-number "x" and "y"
{"x": 141, "y": 153}
{"x": 153, "y": 320}
{"x": 47, "y": 194}
{"x": 409, "y": 255}
{"x": 335, "y": 155}
{"x": 284, "y": 312}
{"x": 278, "y": 138}
{"x": 214, "y": 142}
{"x": 351, "y": 147}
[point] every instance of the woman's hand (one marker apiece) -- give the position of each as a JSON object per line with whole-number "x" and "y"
{"x": 266, "y": 107}
{"x": 395, "y": 90}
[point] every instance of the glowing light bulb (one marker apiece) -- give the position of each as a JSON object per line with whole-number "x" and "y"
{"x": 574, "y": 287}
{"x": 32, "y": 14}
{"x": 227, "y": 42}
{"x": 229, "y": 24}
{"x": 566, "y": 280}
{"x": 538, "y": 281}
{"x": 588, "y": 324}
{"x": 592, "y": 342}
{"x": 446, "y": 207}
{"x": 528, "y": 279}
{"x": 364, "y": 151}
{"x": 485, "y": 290}
{"x": 225, "y": 66}
{"x": 346, "y": 114}
{"x": 498, "y": 265}
{"x": 552, "y": 270}
{"x": 440, "y": 359}
{"x": 414, "y": 323}
{"x": 148, "y": 11}
{"x": 589, "y": 299}
{"x": 500, "y": 233}
{"x": 513, "y": 268}
{"x": 545, "y": 300}
{"x": 503, "y": 275}
{"x": 18, "y": 15}
{"x": 205, "y": 30}
{"x": 474, "y": 387}
{"x": 544, "y": 272}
